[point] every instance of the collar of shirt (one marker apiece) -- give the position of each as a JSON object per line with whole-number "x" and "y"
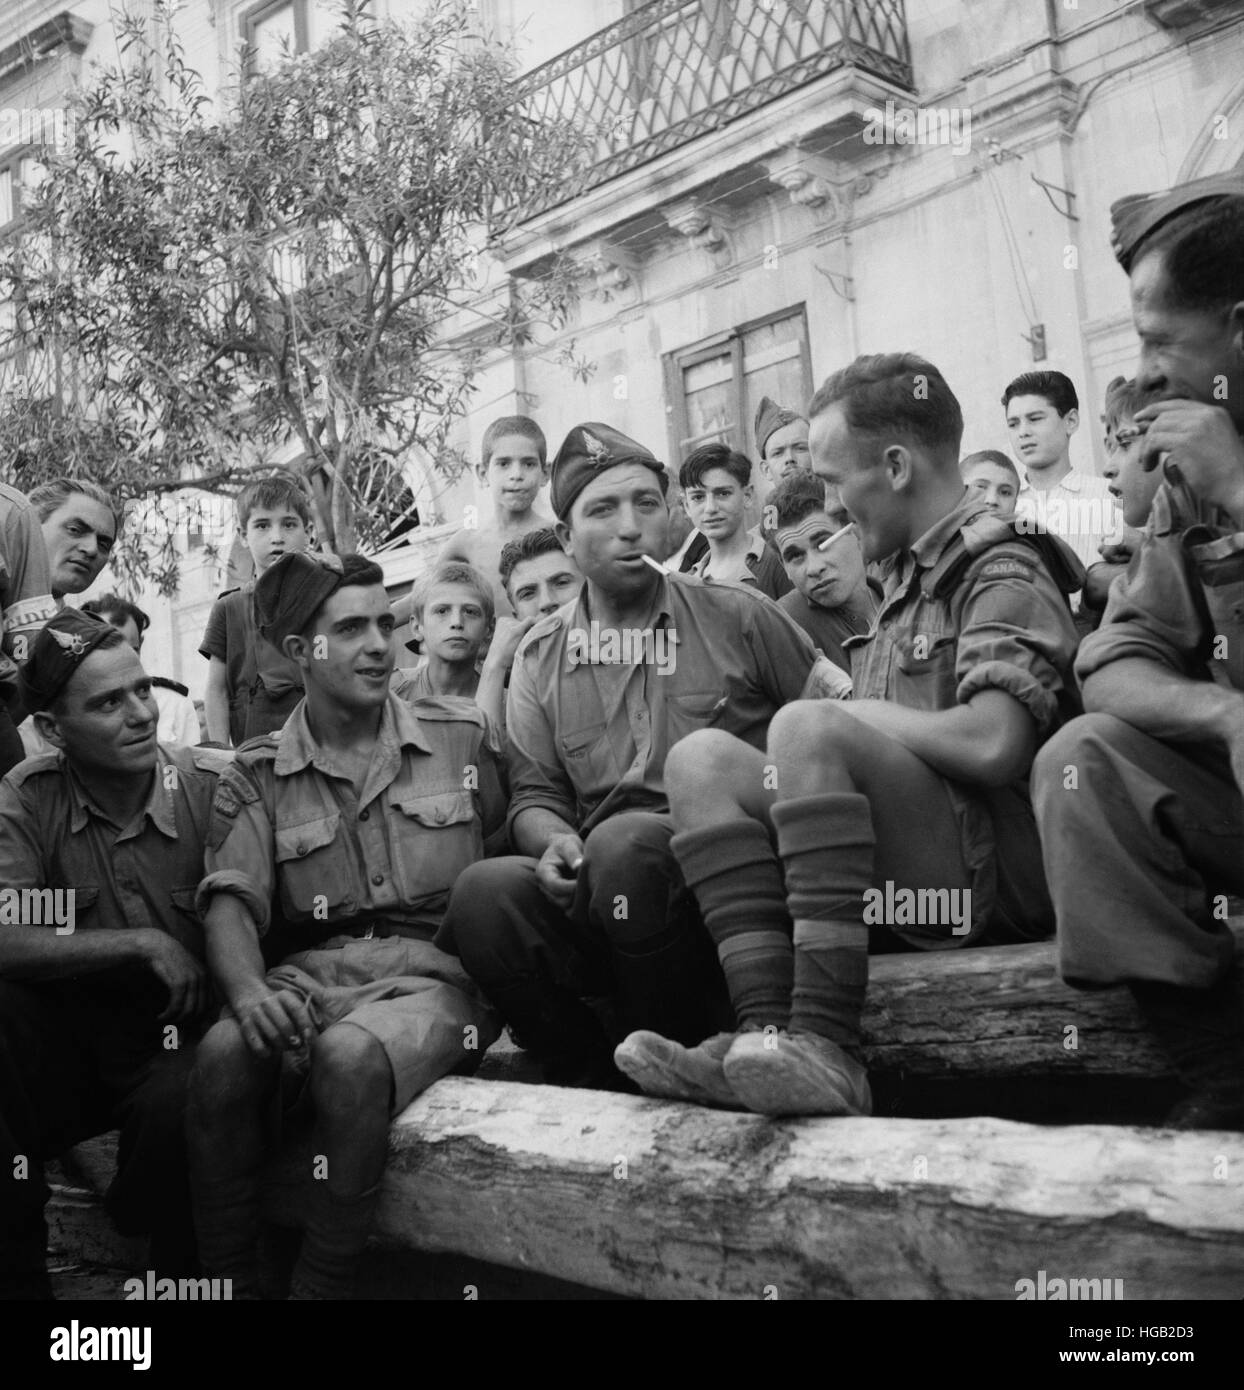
{"x": 755, "y": 551}
{"x": 927, "y": 550}
{"x": 1069, "y": 482}
{"x": 159, "y": 807}
{"x": 587, "y": 653}
{"x": 399, "y": 728}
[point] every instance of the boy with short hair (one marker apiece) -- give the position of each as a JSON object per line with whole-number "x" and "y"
{"x": 451, "y": 619}
{"x": 514, "y": 466}
{"x": 1042, "y": 413}
{"x": 251, "y": 687}
{"x": 717, "y": 489}
{"x": 537, "y": 573}
{"x": 1130, "y": 485}
{"x": 832, "y": 599}
{"x": 995, "y": 478}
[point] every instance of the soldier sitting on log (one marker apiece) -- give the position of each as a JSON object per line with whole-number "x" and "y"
{"x": 103, "y": 991}
{"x": 348, "y": 826}
{"x": 1139, "y": 801}
{"x": 900, "y": 818}
{"x": 594, "y": 908}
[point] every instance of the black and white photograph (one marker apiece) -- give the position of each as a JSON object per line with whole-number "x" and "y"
{"x": 621, "y": 666}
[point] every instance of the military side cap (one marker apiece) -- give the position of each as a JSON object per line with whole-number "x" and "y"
{"x": 1139, "y": 215}
{"x": 586, "y": 452}
{"x": 289, "y": 593}
{"x": 769, "y": 418}
{"x": 62, "y": 645}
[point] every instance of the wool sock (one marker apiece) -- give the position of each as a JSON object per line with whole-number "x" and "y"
{"x": 827, "y": 847}
{"x": 736, "y": 878}
{"x": 336, "y": 1232}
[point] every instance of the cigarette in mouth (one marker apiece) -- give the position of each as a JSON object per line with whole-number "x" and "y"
{"x": 656, "y": 564}
{"x": 829, "y": 540}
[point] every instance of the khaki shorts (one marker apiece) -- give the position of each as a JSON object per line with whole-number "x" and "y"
{"x": 417, "y": 1002}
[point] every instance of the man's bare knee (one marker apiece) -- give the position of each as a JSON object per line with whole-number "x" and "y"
{"x": 226, "y": 1071}
{"x": 810, "y": 729}
{"x": 705, "y": 769}
{"x": 349, "y": 1066}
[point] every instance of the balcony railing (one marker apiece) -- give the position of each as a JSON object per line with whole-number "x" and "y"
{"x": 676, "y": 69}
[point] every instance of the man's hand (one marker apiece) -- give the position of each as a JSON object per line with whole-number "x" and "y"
{"x": 274, "y": 1021}
{"x": 184, "y": 978}
{"x": 1204, "y": 449}
{"x": 507, "y": 634}
{"x": 558, "y": 869}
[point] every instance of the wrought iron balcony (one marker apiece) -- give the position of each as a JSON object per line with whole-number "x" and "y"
{"x": 677, "y": 69}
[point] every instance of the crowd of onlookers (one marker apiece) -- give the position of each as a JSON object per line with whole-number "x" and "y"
{"x": 668, "y": 766}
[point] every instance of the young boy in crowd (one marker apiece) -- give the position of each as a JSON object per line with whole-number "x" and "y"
{"x": 251, "y": 687}
{"x": 799, "y": 855}
{"x": 514, "y": 467}
{"x": 995, "y": 478}
{"x": 1130, "y": 485}
{"x": 717, "y": 490}
{"x": 1042, "y": 414}
{"x": 453, "y": 619}
{"x": 832, "y": 598}
{"x": 537, "y": 574}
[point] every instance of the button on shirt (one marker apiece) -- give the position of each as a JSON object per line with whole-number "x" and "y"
{"x": 1181, "y": 601}
{"x": 1006, "y": 626}
{"x": 592, "y": 713}
{"x": 53, "y": 835}
{"x": 290, "y": 834}
{"x": 1079, "y": 508}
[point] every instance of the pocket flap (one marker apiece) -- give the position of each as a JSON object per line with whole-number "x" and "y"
{"x": 446, "y": 808}
{"x": 297, "y": 841}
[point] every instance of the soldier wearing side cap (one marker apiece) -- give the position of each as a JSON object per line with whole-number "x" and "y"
{"x": 1139, "y": 802}
{"x": 336, "y": 841}
{"x": 593, "y": 909}
{"x": 781, "y": 441}
{"x": 100, "y": 1007}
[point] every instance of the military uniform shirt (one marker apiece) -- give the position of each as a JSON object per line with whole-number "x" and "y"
{"x": 145, "y": 874}
{"x": 1009, "y": 629}
{"x": 287, "y": 824}
{"x": 588, "y": 736}
{"x": 1181, "y": 600}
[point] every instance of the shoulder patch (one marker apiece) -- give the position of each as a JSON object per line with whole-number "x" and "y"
{"x": 234, "y": 789}
{"x": 1006, "y": 567}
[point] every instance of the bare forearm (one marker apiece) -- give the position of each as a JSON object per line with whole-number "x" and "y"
{"x": 988, "y": 742}
{"x": 40, "y": 953}
{"x": 536, "y": 829}
{"x": 233, "y": 954}
{"x": 216, "y": 714}
{"x": 1162, "y": 703}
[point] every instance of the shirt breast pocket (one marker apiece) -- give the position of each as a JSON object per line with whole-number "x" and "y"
{"x": 924, "y": 672}
{"x": 439, "y": 836}
{"x": 588, "y": 757}
{"x": 314, "y": 868}
{"x": 691, "y": 711}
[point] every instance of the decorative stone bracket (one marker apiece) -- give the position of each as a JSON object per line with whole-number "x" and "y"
{"x": 614, "y": 268}
{"x": 818, "y": 184}
{"x": 704, "y": 227}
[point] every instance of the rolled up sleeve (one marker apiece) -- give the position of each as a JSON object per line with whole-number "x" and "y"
{"x": 1016, "y": 635}
{"x": 239, "y": 855}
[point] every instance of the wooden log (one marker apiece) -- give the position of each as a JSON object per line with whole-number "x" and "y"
{"x": 662, "y": 1200}
{"x": 996, "y": 1011}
